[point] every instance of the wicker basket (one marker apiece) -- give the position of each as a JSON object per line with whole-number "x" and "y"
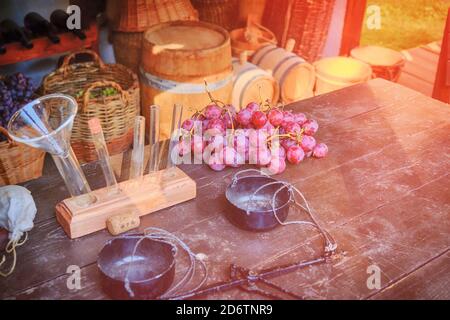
{"x": 220, "y": 12}
{"x": 306, "y": 21}
{"x": 128, "y": 48}
{"x": 116, "y": 112}
{"x": 18, "y": 162}
{"x": 137, "y": 16}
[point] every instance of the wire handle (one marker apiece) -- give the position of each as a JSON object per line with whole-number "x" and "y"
{"x": 237, "y": 177}
{"x": 330, "y": 243}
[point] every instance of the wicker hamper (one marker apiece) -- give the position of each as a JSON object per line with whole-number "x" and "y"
{"x": 116, "y": 112}
{"x": 220, "y": 12}
{"x": 18, "y": 162}
{"x": 305, "y": 21}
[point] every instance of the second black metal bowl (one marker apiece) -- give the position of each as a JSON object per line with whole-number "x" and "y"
{"x": 150, "y": 270}
{"x": 253, "y": 211}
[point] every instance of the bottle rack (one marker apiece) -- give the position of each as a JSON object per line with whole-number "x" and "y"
{"x": 44, "y": 48}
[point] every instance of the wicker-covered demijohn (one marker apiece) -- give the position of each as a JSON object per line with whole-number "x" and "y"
{"x": 116, "y": 111}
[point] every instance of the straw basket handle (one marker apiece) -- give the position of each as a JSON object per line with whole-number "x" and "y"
{"x": 93, "y": 54}
{"x": 98, "y": 84}
{"x": 8, "y": 137}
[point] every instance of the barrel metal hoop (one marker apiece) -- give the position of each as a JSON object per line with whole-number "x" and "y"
{"x": 282, "y": 61}
{"x": 242, "y": 72}
{"x": 270, "y": 48}
{"x": 286, "y": 72}
{"x": 182, "y": 87}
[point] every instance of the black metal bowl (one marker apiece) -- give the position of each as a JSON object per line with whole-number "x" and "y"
{"x": 150, "y": 272}
{"x": 250, "y": 211}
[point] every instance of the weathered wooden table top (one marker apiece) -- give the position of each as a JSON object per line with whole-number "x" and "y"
{"x": 383, "y": 193}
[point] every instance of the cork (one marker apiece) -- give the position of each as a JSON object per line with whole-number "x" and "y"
{"x": 121, "y": 223}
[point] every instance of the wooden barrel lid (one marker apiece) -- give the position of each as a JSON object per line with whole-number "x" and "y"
{"x": 343, "y": 69}
{"x": 377, "y": 56}
{"x": 181, "y": 50}
{"x": 186, "y": 36}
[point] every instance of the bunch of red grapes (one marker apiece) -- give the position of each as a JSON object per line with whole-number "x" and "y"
{"x": 258, "y": 134}
{"x": 15, "y": 91}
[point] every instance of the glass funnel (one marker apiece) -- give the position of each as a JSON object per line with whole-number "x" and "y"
{"x": 46, "y": 123}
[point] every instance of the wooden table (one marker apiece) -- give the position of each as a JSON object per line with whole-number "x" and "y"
{"x": 383, "y": 193}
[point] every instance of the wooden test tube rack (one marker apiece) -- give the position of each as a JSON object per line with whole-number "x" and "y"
{"x": 88, "y": 213}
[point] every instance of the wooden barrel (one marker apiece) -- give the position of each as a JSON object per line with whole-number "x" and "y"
{"x": 295, "y": 76}
{"x": 339, "y": 72}
{"x": 251, "y": 83}
{"x": 136, "y": 16}
{"x": 386, "y": 63}
{"x": 177, "y": 58}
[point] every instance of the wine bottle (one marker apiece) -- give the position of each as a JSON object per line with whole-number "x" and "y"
{"x": 59, "y": 18}
{"x": 40, "y": 26}
{"x": 2, "y": 43}
{"x": 12, "y": 33}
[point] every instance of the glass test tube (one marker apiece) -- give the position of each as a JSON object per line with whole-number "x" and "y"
{"x": 102, "y": 152}
{"x": 137, "y": 157}
{"x": 176, "y": 124}
{"x": 153, "y": 162}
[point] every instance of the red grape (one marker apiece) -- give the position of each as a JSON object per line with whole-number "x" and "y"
{"x": 264, "y": 157}
{"x": 308, "y": 143}
{"x": 278, "y": 151}
{"x": 183, "y": 147}
{"x": 213, "y": 111}
{"x": 188, "y": 124}
{"x": 277, "y": 165}
{"x": 215, "y": 162}
{"x": 244, "y": 117}
{"x": 252, "y": 107}
{"x": 292, "y": 128}
{"x": 300, "y": 118}
{"x": 216, "y": 126}
{"x": 295, "y": 154}
{"x": 259, "y": 119}
{"x": 287, "y": 143}
{"x": 205, "y": 123}
{"x": 310, "y": 127}
{"x": 320, "y": 151}
{"x": 288, "y": 117}
{"x": 229, "y": 121}
{"x": 275, "y": 117}
{"x": 232, "y": 158}
{"x": 257, "y": 138}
